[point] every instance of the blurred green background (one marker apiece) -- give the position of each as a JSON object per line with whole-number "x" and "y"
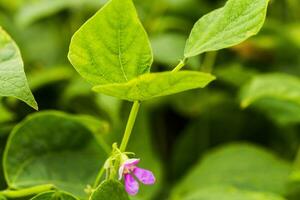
{"x": 255, "y": 99}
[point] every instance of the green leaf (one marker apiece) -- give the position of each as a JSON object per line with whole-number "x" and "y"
{"x": 52, "y": 148}
{"x": 38, "y": 9}
{"x": 229, "y": 193}
{"x": 50, "y": 76}
{"x": 2, "y": 197}
{"x": 112, "y": 46}
{"x": 282, "y": 87}
{"x": 109, "y": 190}
{"x": 276, "y": 95}
{"x": 234, "y": 74}
{"x": 3, "y": 138}
{"x": 227, "y": 26}
{"x": 168, "y": 49}
{"x": 240, "y": 166}
{"x": 153, "y": 85}
{"x": 54, "y": 195}
{"x": 12, "y": 77}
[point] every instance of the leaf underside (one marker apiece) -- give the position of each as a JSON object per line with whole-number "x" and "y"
{"x": 153, "y": 85}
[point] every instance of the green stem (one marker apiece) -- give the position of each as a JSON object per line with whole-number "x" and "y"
{"x": 99, "y": 176}
{"x": 130, "y": 124}
{"x": 180, "y": 65}
{"x": 209, "y": 61}
{"x": 27, "y": 191}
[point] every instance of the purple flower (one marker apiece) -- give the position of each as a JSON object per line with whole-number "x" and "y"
{"x": 131, "y": 172}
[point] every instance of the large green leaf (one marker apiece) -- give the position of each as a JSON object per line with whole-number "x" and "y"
{"x": 229, "y": 193}
{"x": 52, "y": 148}
{"x": 12, "y": 77}
{"x": 227, "y": 26}
{"x": 152, "y": 85}
{"x": 245, "y": 167}
{"x": 277, "y": 95}
{"x": 109, "y": 190}
{"x": 112, "y": 46}
{"x": 54, "y": 195}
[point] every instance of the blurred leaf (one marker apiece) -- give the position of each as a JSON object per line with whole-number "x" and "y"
{"x": 282, "y": 87}
{"x": 5, "y": 115}
{"x": 209, "y": 98}
{"x": 245, "y": 167}
{"x": 235, "y": 74}
{"x": 109, "y": 190}
{"x": 278, "y": 95}
{"x": 99, "y": 128}
{"x": 12, "y": 77}
{"x": 48, "y": 43}
{"x": 168, "y": 49}
{"x": 3, "y": 138}
{"x": 281, "y": 112}
{"x": 152, "y": 85}
{"x": 229, "y": 193}
{"x": 112, "y": 46}
{"x": 52, "y": 148}
{"x": 111, "y": 105}
{"x": 54, "y": 195}
{"x": 35, "y": 10}
{"x": 227, "y": 26}
{"x": 2, "y": 197}
{"x": 11, "y": 5}
{"x": 48, "y": 76}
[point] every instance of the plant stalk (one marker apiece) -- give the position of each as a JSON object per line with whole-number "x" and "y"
{"x": 180, "y": 65}
{"x": 130, "y": 124}
{"x": 27, "y": 191}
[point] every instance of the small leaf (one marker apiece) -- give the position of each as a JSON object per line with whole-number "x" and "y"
{"x": 109, "y": 190}
{"x": 54, "y": 195}
{"x": 112, "y": 46}
{"x": 229, "y": 193}
{"x": 52, "y": 148}
{"x": 228, "y": 26}
{"x": 13, "y": 81}
{"x": 242, "y": 166}
{"x": 153, "y": 85}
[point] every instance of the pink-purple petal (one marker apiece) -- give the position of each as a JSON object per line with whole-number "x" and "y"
{"x": 131, "y": 185}
{"x": 131, "y": 162}
{"x": 145, "y": 176}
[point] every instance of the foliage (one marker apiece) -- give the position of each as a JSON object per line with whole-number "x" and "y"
{"x": 180, "y": 84}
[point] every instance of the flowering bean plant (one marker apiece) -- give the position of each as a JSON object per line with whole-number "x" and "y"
{"x": 53, "y": 155}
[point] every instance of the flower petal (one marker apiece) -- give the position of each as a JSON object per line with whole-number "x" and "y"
{"x": 131, "y": 185}
{"x": 131, "y": 162}
{"x": 145, "y": 176}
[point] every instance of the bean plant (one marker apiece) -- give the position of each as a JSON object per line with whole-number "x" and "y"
{"x": 54, "y": 155}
